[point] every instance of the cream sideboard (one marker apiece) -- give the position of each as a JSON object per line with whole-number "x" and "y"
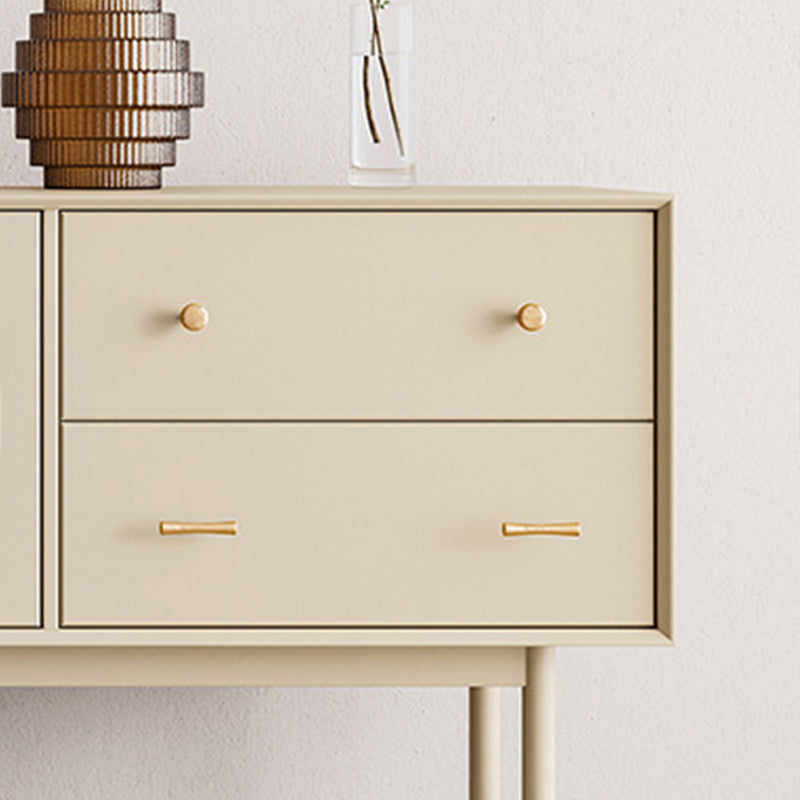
{"x": 335, "y": 437}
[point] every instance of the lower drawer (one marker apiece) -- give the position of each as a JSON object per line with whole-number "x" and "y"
{"x": 357, "y": 525}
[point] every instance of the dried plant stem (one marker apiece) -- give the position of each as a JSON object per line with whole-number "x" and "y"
{"x": 377, "y": 44}
{"x": 392, "y": 110}
{"x": 373, "y": 128}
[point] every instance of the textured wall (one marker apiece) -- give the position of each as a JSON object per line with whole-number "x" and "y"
{"x": 699, "y": 98}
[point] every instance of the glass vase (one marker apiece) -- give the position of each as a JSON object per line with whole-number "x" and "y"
{"x": 383, "y": 129}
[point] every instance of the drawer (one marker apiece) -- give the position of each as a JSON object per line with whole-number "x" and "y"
{"x": 19, "y": 420}
{"x": 367, "y": 524}
{"x": 358, "y": 316}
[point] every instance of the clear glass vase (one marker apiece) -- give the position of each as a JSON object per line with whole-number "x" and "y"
{"x": 383, "y": 129}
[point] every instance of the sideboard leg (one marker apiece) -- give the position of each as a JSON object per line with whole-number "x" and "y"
{"x": 484, "y": 743}
{"x": 538, "y": 726}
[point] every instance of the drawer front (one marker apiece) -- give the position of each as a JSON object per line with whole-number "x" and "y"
{"x": 348, "y": 315}
{"x": 366, "y": 524}
{"x": 19, "y": 404}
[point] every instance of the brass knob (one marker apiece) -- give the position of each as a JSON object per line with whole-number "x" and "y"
{"x": 531, "y": 317}
{"x": 541, "y": 529}
{"x": 227, "y": 528}
{"x": 193, "y": 317}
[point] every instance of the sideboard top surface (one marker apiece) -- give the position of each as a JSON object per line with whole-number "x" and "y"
{"x": 548, "y": 198}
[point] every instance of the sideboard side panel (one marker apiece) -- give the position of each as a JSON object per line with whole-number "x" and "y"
{"x": 664, "y": 435}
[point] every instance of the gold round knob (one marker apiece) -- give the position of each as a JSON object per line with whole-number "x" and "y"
{"x": 531, "y": 317}
{"x": 193, "y": 317}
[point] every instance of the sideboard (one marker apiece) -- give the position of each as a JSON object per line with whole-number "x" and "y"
{"x": 304, "y": 437}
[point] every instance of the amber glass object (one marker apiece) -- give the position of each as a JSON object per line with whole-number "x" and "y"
{"x": 103, "y": 89}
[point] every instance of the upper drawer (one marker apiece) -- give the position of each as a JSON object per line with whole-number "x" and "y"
{"x": 358, "y": 315}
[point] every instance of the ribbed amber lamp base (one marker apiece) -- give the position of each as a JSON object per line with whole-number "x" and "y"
{"x": 103, "y": 90}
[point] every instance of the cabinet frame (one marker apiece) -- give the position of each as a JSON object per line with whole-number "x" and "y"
{"x": 479, "y": 658}
{"x": 52, "y": 205}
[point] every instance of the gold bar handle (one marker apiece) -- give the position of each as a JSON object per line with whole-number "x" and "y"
{"x": 545, "y": 529}
{"x": 226, "y": 528}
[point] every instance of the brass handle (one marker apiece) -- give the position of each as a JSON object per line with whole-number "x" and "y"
{"x": 531, "y": 317}
{"x": 539, "y": 529}
{"x": 193, "y": 317}
{"x": 227, "y": 528}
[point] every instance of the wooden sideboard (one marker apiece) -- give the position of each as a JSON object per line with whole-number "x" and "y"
{"x": 335, "y": 437}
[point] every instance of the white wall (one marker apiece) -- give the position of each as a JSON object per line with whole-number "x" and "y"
{"x": 699, "y": 98}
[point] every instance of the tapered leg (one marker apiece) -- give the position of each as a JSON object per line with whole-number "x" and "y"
{"x": 539, "y": 726}
{"x": 484, "y": 743}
